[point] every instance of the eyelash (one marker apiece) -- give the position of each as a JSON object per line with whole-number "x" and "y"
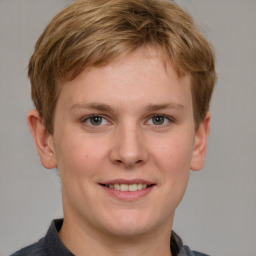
{"x": 169, "y": 119}
{"x": 166, "y": 118}
{"x": 87, "y": 118}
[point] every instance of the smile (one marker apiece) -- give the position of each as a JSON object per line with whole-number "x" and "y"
{"x": 128, "y": 190}
{"x": 126, "y": 187}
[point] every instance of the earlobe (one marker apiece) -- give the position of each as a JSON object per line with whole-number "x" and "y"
{"x": 200, "y": 144}
{"x": 43, "y": 140}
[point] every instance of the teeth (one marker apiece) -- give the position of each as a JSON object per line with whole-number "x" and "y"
{"x": 126, "y": 187}
{"x": 133, "y": 187}
{"x": 116, "y": 186}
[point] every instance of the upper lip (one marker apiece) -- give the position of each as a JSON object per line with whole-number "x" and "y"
{"x": 128, "y": 182}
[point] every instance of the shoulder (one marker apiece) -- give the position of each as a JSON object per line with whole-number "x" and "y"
{"x": 185, "y": 251}
{"x": 31, "y": 250}
{"x": 195, "y": 253}
{"x": 179, "y": 249}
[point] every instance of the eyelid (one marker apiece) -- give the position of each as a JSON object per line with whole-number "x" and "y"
{"x": 169, "y": 118}
{"x": 86, "y": 118}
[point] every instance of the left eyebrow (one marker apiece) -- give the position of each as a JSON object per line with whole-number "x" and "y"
{"x": 96, "y": 106}
{"x": 171, "y": 105}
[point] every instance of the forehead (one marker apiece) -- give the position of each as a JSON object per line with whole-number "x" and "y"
{"x": 140, "y": 53}
{"x": 144, "y": 74}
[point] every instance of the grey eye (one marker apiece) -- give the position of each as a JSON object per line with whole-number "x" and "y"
{"x": 158, "y": 120}
{"x": 95, "y": 120}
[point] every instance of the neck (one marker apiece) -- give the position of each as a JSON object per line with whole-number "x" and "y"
{"x": 86, "y": 240}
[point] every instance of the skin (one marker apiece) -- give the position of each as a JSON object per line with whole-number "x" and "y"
{"x": 131, "y": 95}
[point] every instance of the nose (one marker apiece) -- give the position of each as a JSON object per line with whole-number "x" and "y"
{"x": 129, "y": 147}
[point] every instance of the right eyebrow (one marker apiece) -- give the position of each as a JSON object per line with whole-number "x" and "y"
{"x": 95, "y": 106}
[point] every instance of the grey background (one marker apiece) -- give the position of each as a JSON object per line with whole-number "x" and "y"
{"x": 217, "y": 214}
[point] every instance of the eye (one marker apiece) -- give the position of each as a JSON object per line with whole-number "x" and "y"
{"x": 95, "y": 120}
{"x": 159, "y": 120}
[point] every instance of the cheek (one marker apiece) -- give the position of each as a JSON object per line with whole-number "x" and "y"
{"x": 75, "y": 158}
{"x": 173, "y": 156}
{"x": 172, "y": 159}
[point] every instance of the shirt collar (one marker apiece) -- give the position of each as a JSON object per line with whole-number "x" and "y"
{"x": 52, "y": 245}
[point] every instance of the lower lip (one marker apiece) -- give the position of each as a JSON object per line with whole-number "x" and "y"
{"x": 128, "y": 195}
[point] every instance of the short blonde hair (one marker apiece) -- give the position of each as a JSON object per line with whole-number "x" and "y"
{"x": 96, "y": 32}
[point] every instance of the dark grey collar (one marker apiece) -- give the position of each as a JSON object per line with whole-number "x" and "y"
{"x": 52, "y": 245}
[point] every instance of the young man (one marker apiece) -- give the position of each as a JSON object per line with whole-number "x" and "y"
{"x": 122, "y": 91}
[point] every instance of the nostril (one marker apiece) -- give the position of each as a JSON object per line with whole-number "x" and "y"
{"x": 128, "y": 163}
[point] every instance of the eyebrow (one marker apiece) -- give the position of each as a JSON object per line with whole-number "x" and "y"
{"x": 107, "y": 108}
{"x": 96, "y": 106}
{"x": 171, "y": 105}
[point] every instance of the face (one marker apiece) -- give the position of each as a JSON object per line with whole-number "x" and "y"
{"x": 124, "y": 142}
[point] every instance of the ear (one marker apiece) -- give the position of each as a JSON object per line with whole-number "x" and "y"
{"x": 200, "y": 144}
{"x": 43, "y": 140}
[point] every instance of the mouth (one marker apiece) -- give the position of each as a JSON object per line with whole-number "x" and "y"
{"x": 127, "y": 187}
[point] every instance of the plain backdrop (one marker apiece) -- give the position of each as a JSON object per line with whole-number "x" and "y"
{"x": 218, "y": 212}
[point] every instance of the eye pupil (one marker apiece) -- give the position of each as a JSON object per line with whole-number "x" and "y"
{"x": 158, "y": 120}
{"x": 96, "y": 120}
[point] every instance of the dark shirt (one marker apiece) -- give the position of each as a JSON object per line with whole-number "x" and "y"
{"x": 51, "y": 245}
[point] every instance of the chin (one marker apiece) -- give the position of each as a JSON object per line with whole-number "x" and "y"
{"x": 128, "y": 231}
{"x": 132, "y": 225}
